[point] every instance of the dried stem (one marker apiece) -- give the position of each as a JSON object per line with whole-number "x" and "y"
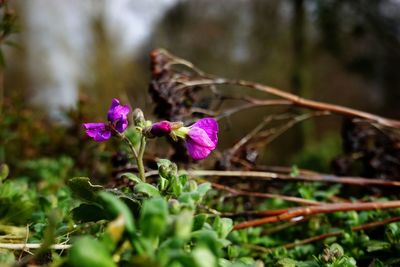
{"x": 321, "y": 209}
{"x": 359, "y": 181}
{"x": 338, "y": 233}
{"x": 297, "y": 100}
{"x": 264, "y": 195}
{"x": 204, "y": 79}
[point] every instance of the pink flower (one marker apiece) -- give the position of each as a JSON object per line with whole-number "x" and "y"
{"x": 202, "y": 138}
{"x": 117, "y": 117}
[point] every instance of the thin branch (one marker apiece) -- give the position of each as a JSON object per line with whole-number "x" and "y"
{"x": 338, "y": 233}
{"x": 264, "y": 195}
{"x": 359, "y": 181}
{"x": 297, "y": 100}
{"x": 321, "y": 209}
{"x": 253, "y": 104}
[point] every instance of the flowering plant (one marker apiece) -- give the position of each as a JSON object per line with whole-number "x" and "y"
{"x": 201, "y": 138}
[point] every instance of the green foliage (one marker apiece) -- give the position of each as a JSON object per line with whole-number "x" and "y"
{"x": 167, "y": 231}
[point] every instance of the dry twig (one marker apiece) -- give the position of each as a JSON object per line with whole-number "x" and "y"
{"x": 264, "y": 195}
{"x": 321, "y": 209}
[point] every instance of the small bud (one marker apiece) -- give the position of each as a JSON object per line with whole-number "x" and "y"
{"x": 162, "y": 128}
{"x": 192, "y": 186}
{"x": 163, "y": 171}
{"x": 138, "y": 117}
{"x": 174, "y": 206}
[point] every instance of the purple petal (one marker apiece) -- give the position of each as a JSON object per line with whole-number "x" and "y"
{"x": 121, "y": 125}
{"x": 200, "y": 137}
{"x": 98, "y": 131}
{"x": 114, "y": 103}
{"x": 118, "y": 112}
{"x": 210, "y": 126}
{"x": 161, "y": 128}
{"x": 197, "y": 152}
{"x": 118, "y": 115}
{"x": 199, "y": 144}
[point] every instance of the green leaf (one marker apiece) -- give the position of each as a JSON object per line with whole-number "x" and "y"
{"x": 4, "y": 172}
{"x": 88, "y": 213}
{"x": 132, "y": 177}
{"x": 375, "y": 245}
{"x": 147, "y": 189}
{"x": 203, "y": 257}
{"x": 294, "y": 172}
{"x": 184, "y": 224}
{"x": 114, "y": 206}
{"x": 176, "y": 186}
{"x": 286, "y": 262}
{"x": 88, "y": 252}
{"x": 153, "y": 219}
{"x": 209, "y": 239}
{"x": 199, "y": 221}
{"x": 225, "y": 226}
{"x": 163, "y": 162}
{"x": 203, "y": 189}
{"x": 84, "y": 189}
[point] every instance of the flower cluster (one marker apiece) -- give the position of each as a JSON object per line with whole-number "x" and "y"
{"x": 201, "y": 137}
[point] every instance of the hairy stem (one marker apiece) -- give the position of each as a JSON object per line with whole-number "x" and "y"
{"x": 140, "y": 158}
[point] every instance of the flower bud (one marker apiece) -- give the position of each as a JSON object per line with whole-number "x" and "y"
{"x": 163, "y": 171}
{"x": 192, "y": 186}
{"x": 162, "y": 128}
{"x": 138, "y": 117}
{"x": 174, "y": 206}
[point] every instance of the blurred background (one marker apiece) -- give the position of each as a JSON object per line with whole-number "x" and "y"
{"x": 345, "y": 52}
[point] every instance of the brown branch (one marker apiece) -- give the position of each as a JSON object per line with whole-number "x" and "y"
{"x": 253, "y": 104}
{"x": 263, "y": 195}
{"x": 359, "y": 181}
{"x": 298, "y": 101}
{"x": 321, "y": 209}
{"x": 202, "y": 78}
{"x": 338, "y": 233}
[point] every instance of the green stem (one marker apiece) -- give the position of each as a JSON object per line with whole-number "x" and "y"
{"x": 131, "y": 146}
{"x": 140, "y": 158}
